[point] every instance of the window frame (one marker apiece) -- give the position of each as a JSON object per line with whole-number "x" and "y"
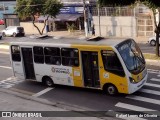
{"x": 53, "y": 56}
{"x": 117, "y": 71}
{"x": 19, "y": 53}
{"x": 71, "y": 57}
{"x": 38, "y": 55}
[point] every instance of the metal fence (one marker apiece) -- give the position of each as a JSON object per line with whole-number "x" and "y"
{"x": 113, "y": 11}
{"x": 120, "y": 11}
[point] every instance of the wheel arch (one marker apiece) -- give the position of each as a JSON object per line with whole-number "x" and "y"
{"x": 107, "y": 84}
{"x": 45, "y": 77}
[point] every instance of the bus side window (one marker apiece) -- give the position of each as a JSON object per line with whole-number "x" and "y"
{"x": 15, "y": 50}
{"x": 38, "y": 54}
{"x": 70, "y": 57}
{"x": 52, "y": 55}
{"x": 112, "y": 63}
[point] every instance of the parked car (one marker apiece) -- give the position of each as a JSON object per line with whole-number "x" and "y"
{"x": 13, "y": 31}
{"x": 1, "y": 22}
{"x": 152, "y": 40}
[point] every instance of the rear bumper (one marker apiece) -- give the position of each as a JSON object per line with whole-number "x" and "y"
{"x": 20, "y": 34}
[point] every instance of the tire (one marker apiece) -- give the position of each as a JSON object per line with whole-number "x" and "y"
{"x": 110, "y": 89}
{"x": 0, "y": 37}
{"x": 48, "y": 82}
{"x": 153, "y": 43}
{"x": 14, "y": 34}
{"x": 3, "y": 34}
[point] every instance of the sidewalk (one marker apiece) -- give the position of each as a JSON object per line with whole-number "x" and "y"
{"x": 80, "y": 34}
{"x": 5, "y": 47}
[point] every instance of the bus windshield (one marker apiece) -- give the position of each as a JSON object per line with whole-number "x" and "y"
{"x": 132, "y": 56}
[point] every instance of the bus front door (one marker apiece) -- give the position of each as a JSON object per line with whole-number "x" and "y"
{"x": 90, "y": 69}
{"x": 28, "y": 63}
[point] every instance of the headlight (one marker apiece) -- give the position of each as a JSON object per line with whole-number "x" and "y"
{"x": 132, "y": 80}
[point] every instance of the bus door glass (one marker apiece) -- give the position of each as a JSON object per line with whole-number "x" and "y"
{"x": 28, "y": 63}
{"x": 90, "y": 69}
{"x": 17, "y": 61}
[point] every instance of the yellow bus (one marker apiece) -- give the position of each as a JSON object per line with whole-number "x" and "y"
{"x": 112, "y": 65}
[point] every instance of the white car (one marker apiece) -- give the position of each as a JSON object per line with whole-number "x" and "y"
{"x": 13, "y": 31}
{"x": 152, "y": 40}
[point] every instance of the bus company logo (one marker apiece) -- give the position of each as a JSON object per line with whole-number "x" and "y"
{"x": 60, "y": 70}
{"x": 6, "y": 114}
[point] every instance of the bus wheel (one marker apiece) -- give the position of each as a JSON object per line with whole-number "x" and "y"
{"x": 48, "y": 82}
{"x": 110, "y": 89}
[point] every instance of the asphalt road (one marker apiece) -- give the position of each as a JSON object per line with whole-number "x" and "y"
{"x": 146, "y": 48}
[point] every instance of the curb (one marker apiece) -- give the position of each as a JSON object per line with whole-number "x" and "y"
{"x": 6, "y": 47}
{"x": 153, "y": 62}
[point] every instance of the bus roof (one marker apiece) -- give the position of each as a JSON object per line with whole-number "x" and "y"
{"x": 49, "y": 41}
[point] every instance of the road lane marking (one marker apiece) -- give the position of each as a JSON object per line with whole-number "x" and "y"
{"x": 153, "y": 71}
{"x": 132, "y": 107}
{"x": 117, "y": 115}
{"x": 155, "y": 79}
{"x": 42, "y": 92}
{"x": 137, "y": 108}
{"x": 144, "y": 99}
{"x": 152, "y": 85}
{"x": 150, "y": 91}
{"x": 7, "y": 53}
{"x": 6, "y": 67}
{"x": 9, "y": 82}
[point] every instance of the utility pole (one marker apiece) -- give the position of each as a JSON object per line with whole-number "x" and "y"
{"x": 85, "y": 18}
{"x": 4, "y": 9}
{"x": 99, "y": 20}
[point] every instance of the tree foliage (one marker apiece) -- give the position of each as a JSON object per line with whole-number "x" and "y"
{"x": 154, "y": 5}
{"x": 33, "y": 8}
{"x": 115, "y": 2}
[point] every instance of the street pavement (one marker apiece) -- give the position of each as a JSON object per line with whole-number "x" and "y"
{"x": 20, "y": 95}
{"x": 19, "y": 103}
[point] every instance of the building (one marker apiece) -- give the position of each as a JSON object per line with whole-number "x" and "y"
{"x": 71, "y": 14}
{"x": 7, "y": 6}
{"x": 123, "y": 21}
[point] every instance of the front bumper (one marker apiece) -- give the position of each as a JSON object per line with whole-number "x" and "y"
{"x": 134, "y": 87}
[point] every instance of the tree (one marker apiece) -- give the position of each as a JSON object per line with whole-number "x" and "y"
{"x": 33, "y": 8}
{"x": 154, "y": 5}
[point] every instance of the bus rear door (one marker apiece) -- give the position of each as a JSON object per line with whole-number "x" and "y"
{"x": 17, "y": 62}
{"x": 28, "y": 63}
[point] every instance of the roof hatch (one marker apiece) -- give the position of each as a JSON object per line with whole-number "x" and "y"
{"x": 95, "y": 38}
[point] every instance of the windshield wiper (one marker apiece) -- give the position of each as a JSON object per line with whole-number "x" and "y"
{"x": 139, "y": 58}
